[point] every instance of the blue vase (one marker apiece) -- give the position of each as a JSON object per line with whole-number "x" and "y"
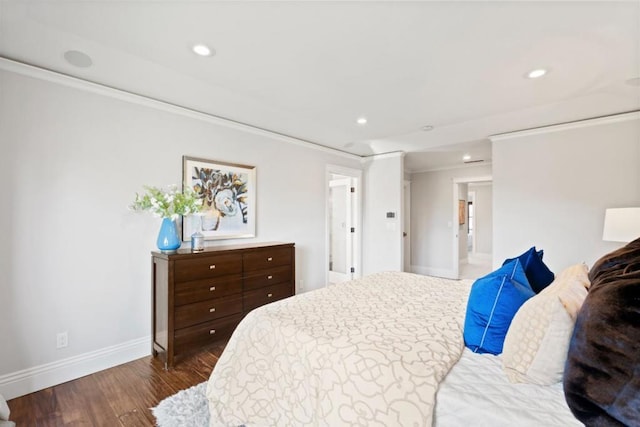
{"x": 168, "y": 239}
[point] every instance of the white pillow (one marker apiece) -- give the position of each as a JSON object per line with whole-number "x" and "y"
{"x": 4, "y": 409}
{"x": 536, "y": 345}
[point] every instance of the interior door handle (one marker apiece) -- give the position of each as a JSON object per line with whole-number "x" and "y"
{"x": 404, "y": 234}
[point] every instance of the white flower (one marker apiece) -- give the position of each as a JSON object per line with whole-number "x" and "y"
{"x": 225, "y": 202}
{"x": 168, "y": 203}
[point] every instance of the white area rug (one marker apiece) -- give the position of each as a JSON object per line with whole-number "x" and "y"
{"x": 186, "y": 408}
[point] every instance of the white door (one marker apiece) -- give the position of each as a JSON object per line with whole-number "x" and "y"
{"x": 406, "y": 227}
{"x": 340, "y": 234}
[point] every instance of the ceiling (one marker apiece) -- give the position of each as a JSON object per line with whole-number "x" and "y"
{"x": 309, "y": 69}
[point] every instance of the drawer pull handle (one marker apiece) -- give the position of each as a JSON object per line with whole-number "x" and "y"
{"x": 213, "y": 288}
{"x": 269, "y": 277}
{"x": 269, "y": 295}
{"x": 211, "y": 267}
{"x": 270, "y": 259}
{"x": 212, "y": 331}
{"x": 212, "y": 309}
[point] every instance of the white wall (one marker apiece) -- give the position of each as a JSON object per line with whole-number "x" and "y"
{"x": 551, "y": 188}
{"x": 73, "y": 258}
{"x": 383, "y": 193}
{"x": 431, "y": 218}
{"x": 483, "y": 206}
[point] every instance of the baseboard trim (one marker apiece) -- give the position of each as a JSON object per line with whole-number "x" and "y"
{"x": 436, "y": 272}
{"x": 28, "y": 380}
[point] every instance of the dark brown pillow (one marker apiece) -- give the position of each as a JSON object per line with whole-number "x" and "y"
{"x": 602, "y": 374}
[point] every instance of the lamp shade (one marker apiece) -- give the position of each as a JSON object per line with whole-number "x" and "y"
{"x": 621, "y": 224}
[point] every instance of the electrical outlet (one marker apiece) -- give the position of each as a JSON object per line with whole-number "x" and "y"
{"x": 62, "y": 340}
{"x": 300, "y": 285}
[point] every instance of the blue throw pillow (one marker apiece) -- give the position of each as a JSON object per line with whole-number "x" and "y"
{"x": 538, "y": 274}
{"x": 493, "y": 301}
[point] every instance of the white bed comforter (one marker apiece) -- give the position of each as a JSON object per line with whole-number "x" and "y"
{"x": 369, "y": 352}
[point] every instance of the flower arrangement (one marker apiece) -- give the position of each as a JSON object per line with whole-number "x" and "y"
{"x": 170, "y": 203}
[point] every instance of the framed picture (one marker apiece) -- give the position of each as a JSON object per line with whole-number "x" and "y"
{"x": 228, "y": 192}
{"x": 462, "y": 211}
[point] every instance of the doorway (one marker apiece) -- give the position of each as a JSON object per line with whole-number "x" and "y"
{"x": 473, "y": 227}
{"x": 471, "y": 240}
{"x": 343, "y": 224}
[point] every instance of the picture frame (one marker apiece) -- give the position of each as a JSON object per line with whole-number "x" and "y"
{"x": 462, "y": 212}
{"x": 228, "y": 191}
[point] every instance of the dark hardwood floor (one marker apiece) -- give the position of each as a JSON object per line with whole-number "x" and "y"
{"x": 119, "y": 396}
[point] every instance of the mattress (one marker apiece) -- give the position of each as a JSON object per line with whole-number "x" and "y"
{"x": 476, "y": 393}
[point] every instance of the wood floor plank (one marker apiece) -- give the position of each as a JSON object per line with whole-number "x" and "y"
{"x": 119, "y": 396}
{"x": 35, "y": 408}
{"x": 86, "y": 402}
{"x": 72, "y": 404}
{"x": 132, "y": 394}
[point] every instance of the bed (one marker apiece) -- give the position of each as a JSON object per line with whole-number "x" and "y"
{"x": 384, "y": 350}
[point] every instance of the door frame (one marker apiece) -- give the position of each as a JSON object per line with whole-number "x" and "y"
{"x": 406, "y": 226}
{"x": 334, "y": 276}
{"x": 473, "y": 226}
{"x": 455, "y": 271}
{"x": 356, "y": 220}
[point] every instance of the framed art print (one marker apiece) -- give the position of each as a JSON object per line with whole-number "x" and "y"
{"x": 228, "y": 193}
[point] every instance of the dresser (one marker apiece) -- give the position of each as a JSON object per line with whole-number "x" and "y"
{"x": 199, "y": 298}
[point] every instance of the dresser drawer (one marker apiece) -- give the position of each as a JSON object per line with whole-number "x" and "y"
{"x": 200, "y": 290}
{"x": 193, "y": 338}
{"x": 258, "y": 297}
{"x": 192, "y": 314}
{"x": 272, "y": 276}
{"x": 199, "y": 298}
{"x": 266, "y": 258}
{"x": 207, "y": 266}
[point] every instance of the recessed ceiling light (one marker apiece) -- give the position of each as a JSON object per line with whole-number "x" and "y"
{"x": 427, "y": 128}
{"x": 362, "y": 120}
{"x": 466, "y": 157}
{"x": 633, "y": 82}
{"x": 202, "y": 50}
{"x": 78, "y": 59}
{"x": 534, "y": 74}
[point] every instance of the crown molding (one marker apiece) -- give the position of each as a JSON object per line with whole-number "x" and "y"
{"x": 390, "y": 155}
{"x": 446, "y": 168}
{"x": 596, "y": 121}
{"x": 33, "y": 71}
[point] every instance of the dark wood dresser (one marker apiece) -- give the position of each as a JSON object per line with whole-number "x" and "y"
{"x": 199, "y": 298}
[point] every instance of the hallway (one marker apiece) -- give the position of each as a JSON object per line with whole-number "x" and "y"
{"x": 475, "y": 267}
